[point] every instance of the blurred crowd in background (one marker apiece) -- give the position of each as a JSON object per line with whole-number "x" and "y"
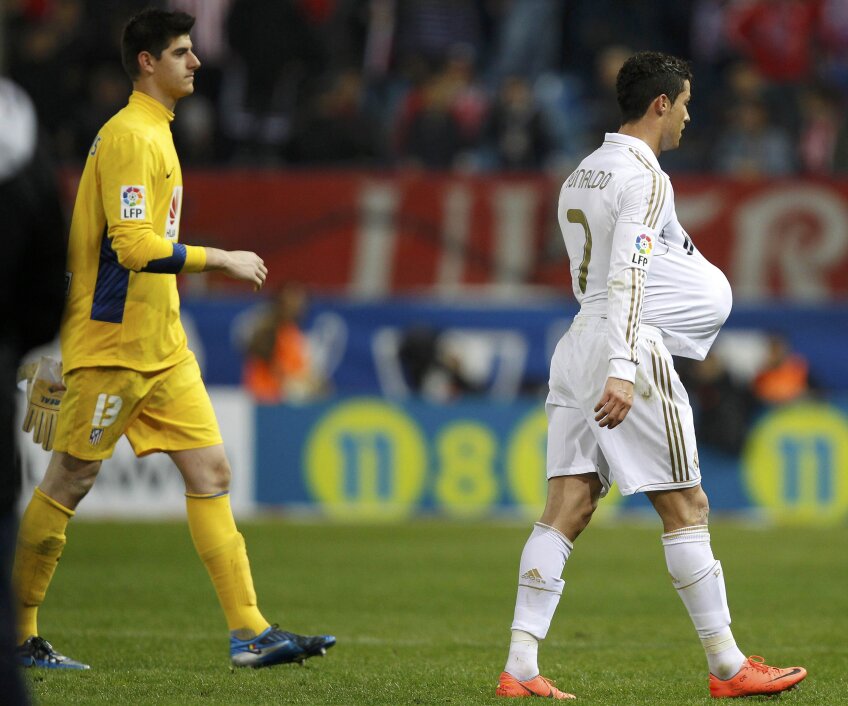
{"x": 470, "y": 85}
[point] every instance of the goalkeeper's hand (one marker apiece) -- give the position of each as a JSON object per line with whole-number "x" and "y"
{"x": 44, "y": 397}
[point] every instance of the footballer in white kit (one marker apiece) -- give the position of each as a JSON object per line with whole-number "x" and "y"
{"x": 645, "y": 292}
{"x": 616, "y": 408}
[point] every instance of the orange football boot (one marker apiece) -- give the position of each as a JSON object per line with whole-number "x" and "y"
{"x": 509, "y": 686}
{"x": 756, "y": 677}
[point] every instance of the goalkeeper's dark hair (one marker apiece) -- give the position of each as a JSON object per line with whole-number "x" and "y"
{"x": 646, "y": 75}
{"x": 151, "y": 30}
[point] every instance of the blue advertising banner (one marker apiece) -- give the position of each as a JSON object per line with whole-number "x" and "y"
{"x": 365, "y": 458}
{"x": 508, "y": 346}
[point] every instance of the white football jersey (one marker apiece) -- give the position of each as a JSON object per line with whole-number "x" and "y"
{"x": 630, "y": 259}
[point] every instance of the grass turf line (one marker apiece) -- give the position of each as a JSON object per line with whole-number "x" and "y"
{"x": 422, "y": 613}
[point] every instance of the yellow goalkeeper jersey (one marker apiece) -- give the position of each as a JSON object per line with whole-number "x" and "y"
{"x": 122, "y": 306}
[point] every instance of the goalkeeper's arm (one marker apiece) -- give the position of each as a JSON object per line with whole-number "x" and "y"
{"x": 144, "y": 253}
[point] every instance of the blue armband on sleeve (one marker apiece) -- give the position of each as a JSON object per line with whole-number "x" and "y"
{"x": 172, "y": 264}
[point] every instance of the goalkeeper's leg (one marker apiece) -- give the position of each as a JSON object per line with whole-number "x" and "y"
{"x": 219, "y": 544}
{"x": 41, "y": 536}
{"x": 253, "y": 642}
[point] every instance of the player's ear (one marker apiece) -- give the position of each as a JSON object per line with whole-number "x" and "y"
{"x": 661, "y": 104}
{"x": 145, "y": 62}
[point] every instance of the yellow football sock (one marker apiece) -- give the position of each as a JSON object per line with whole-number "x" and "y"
{"x": 41, "y": 538}
{"x": 221, "y": 548}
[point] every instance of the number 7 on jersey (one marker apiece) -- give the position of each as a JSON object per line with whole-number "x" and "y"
{"x": 576, "y": 215}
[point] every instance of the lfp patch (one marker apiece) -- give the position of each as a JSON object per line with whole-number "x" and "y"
{"x": 644, "y": 245}
{"x": 133, "y": 203}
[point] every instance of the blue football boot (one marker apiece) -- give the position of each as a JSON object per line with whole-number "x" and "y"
{"x": 37, "y": 652}
{"x": 275, "y": 646}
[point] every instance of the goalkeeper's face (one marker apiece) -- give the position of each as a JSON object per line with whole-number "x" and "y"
{"x": 176, "y": 67}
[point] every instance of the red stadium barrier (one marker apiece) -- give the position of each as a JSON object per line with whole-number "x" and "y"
{"x": 390, "y": 233}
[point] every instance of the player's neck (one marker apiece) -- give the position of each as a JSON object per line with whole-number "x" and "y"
{"x": 151, "y": 89}
{"x": 647, "y": 133}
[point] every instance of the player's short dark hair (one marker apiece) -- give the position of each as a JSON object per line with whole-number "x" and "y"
{"x": 646, "y": 75}
{"x": 151, "y": 30}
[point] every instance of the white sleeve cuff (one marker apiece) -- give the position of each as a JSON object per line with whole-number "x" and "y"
{"x": 622, "y": 369}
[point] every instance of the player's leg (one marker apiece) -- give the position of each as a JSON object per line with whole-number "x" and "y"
{"x": 41, "y": 539}
{"x": 253, "y": 641}
{"x": 570, "y": 504}
{"x": 574, "y": 487}
{"x": 697, "y": 575}
{"x": 699, "y": 580}
{"x": 178, "y": 418}
{"x": 97, "y": 407}
{"x": 219, "y": 544}
{"x": 577, "y": 474}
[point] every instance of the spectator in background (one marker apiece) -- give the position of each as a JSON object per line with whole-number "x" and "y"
{"x": 469, "y": 101}
{"x": 743, "y": 82}
{"x": 431, "y": 137}
{"x": 603, "y": 113}
{"x": 107, "y": 94}
{"x": 33, "y": 270}
{"x": 48, "y": 59}
{"x": 751, "y": 147}
{"x": 778, "y": 35}
{"x": 710, "y": 41}
{"x": 276, "y": 57}
{"x": 785, "y": 375}
{"x": 428, "y": 29}
{"x": 431, "y": 372}
{"x": 196, "y": 130}
{"x": 823, "y": 141}
{"x": 516, "y": 135}
{"x": 278, "y": 364}
{"x": 337, "y": 129}
{"x": 209, "y": 36}
{"x": 530, "y": 38}
{"x": 723, "y": 407}
{"x": 833, "y": 51}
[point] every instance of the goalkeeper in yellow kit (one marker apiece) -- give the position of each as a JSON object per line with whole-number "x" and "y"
{"x": 127, "y": 368}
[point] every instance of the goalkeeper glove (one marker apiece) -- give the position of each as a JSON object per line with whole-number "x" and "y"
{"x": 44, "y": 397}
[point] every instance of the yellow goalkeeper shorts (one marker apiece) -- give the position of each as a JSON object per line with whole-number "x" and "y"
{"x": 166, "y": 410}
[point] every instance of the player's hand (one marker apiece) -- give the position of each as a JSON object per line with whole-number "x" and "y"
{"x": 615, "y": 403}
{"x": 246, "y": 266}
{"x": 44, "y": 398}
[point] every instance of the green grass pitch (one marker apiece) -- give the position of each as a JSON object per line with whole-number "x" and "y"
{"x": 422, "y": 613}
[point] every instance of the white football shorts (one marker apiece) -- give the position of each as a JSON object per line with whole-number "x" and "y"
{"x": 652, "y": 449}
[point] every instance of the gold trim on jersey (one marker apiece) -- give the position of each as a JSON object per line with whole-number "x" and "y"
{"x": 659, "y": 187}
{"x": 637, "y": 296}
{"x": 673, "y": 426}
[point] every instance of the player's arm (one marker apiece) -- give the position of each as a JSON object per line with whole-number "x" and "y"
{"x": 238, "y": 264}
{"x": 642, "y": 207}
{"x": 130, "y": 169}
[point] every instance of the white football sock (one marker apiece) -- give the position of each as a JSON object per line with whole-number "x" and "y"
{"x": 539, "y": 590}
{"x": 699, "y": 581}
{"x": 522, "y": 661}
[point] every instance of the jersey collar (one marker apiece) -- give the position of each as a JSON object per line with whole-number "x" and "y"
{"x": 617, "y": 138}
{"x": 151, "y": 105}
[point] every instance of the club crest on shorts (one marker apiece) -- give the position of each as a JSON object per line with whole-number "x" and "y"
{"x": 95, "y": 437}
